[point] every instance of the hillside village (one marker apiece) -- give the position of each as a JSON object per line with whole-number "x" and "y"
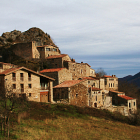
{"x": 64, "y": 81}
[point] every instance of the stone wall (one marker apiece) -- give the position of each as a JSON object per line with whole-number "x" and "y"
{"x": 64, "y": 75}
{"x": 51, "y": 50}
{"x": 111, "y": 83}
{"x": 61, "y": 94}
{"x": 78, "y": 95}
{"x": 78, "y": 70}
{"x": 95, "y": 99}
{"x": 23, "y": 50}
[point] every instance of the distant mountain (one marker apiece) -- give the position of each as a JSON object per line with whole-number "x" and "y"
{"x": 132, "y": 79}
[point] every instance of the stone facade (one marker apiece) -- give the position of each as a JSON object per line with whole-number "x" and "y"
{"x": 95, "y": 97}
{"x": 59, "y": 74}
{"x": 74, "y": 92}
{"x": 31, "y": 50}
{"x": 110, "y": 82}
{"x": 78, "y": 70}
{"x": 57, "y": 61}
{"x": 27, "y": 83}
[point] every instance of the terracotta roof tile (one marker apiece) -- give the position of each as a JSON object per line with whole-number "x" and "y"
{"x": 126, "y": 97}
{"x": 56, "y": 56}
{"x": 108, "y": 76}
{"x": 51, "y": 70}
{"x": 88, "y": 78}
{"x": 95, "y": 89}
{"x": 116, "y": 91}
{"x": 69, "y": 83}
{"x": 9, "y": 71}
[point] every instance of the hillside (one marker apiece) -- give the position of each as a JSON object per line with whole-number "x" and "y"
{"x": 66, "y": 122}
{"x": 135, "y": 79}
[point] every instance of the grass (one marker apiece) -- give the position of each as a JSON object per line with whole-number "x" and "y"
{"x": 66, "y": 122}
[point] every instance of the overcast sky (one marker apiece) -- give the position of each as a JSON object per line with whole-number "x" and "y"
{"x": 103, "y": 33}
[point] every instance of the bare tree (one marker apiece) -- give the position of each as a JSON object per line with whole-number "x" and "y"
{"x": 100, "y": 72}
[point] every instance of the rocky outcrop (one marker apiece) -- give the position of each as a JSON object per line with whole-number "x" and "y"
{"x": 33, "y": 34}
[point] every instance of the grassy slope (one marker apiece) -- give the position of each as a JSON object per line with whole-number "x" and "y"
{"x": 55, "y": 122}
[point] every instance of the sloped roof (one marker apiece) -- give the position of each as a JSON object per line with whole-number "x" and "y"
{"x": 88, "y": 78}
{"x": 68, "y": 83}
{"x": 51, "y": 70}
{"x": 95, "y": 89}
{"x": 126, "y": 97}
{"x": 108, "y": 76}
{"x": 8, "y": 71}
{"x": 56, "y": 56}
{"x": 116, "y": 91}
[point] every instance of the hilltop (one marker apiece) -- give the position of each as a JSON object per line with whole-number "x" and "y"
{"x": 8, "y": 39}
{"x": 33, "y": 34}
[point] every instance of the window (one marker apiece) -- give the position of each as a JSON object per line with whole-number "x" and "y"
{"x": 96, "y": 98}
{"x": 47, "y": 49}
{"x": 134, "y": 103}
{"x": 22, "y": 87}
{"x": 76, "y": 94}
{"x": 30, "y": 94}
{"x": 129, "y": 104}
{"x": 14, "y": 86}
{"x": 21, "y": 76}
{"x": 29, "y": 76}
{"x": 88, "y": 81}
{"x": 14, "y": 76}
{"x": 81, "y": 71}
{"x": 29, "y": 86}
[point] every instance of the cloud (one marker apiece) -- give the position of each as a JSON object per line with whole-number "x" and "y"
{"x": 82, "y": 29}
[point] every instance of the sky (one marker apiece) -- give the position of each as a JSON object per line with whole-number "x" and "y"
{"x": 103, "y": 33}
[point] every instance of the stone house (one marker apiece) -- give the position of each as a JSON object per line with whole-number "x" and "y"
{"x": 57, "y": 61}
{"x": 120, "y": 99}
{"x": 95, "y": 97}
{"x": 79, "y": 70}
{"x": 59, "y": 74}
{"x": 73, "y": 92}
{"x": 34, "y": 50}
{"x": 27, "y": 83}
{"x": 110, "y": 82}
{"x": 92, "y": 81}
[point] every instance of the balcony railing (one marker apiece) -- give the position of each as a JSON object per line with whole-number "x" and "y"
{"x": 44, "y": 88}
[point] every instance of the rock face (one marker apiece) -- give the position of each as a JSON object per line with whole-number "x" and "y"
{"x": 33, "y": 34}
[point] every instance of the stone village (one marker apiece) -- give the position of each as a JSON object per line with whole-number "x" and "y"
{"x": 65, "y": 81}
